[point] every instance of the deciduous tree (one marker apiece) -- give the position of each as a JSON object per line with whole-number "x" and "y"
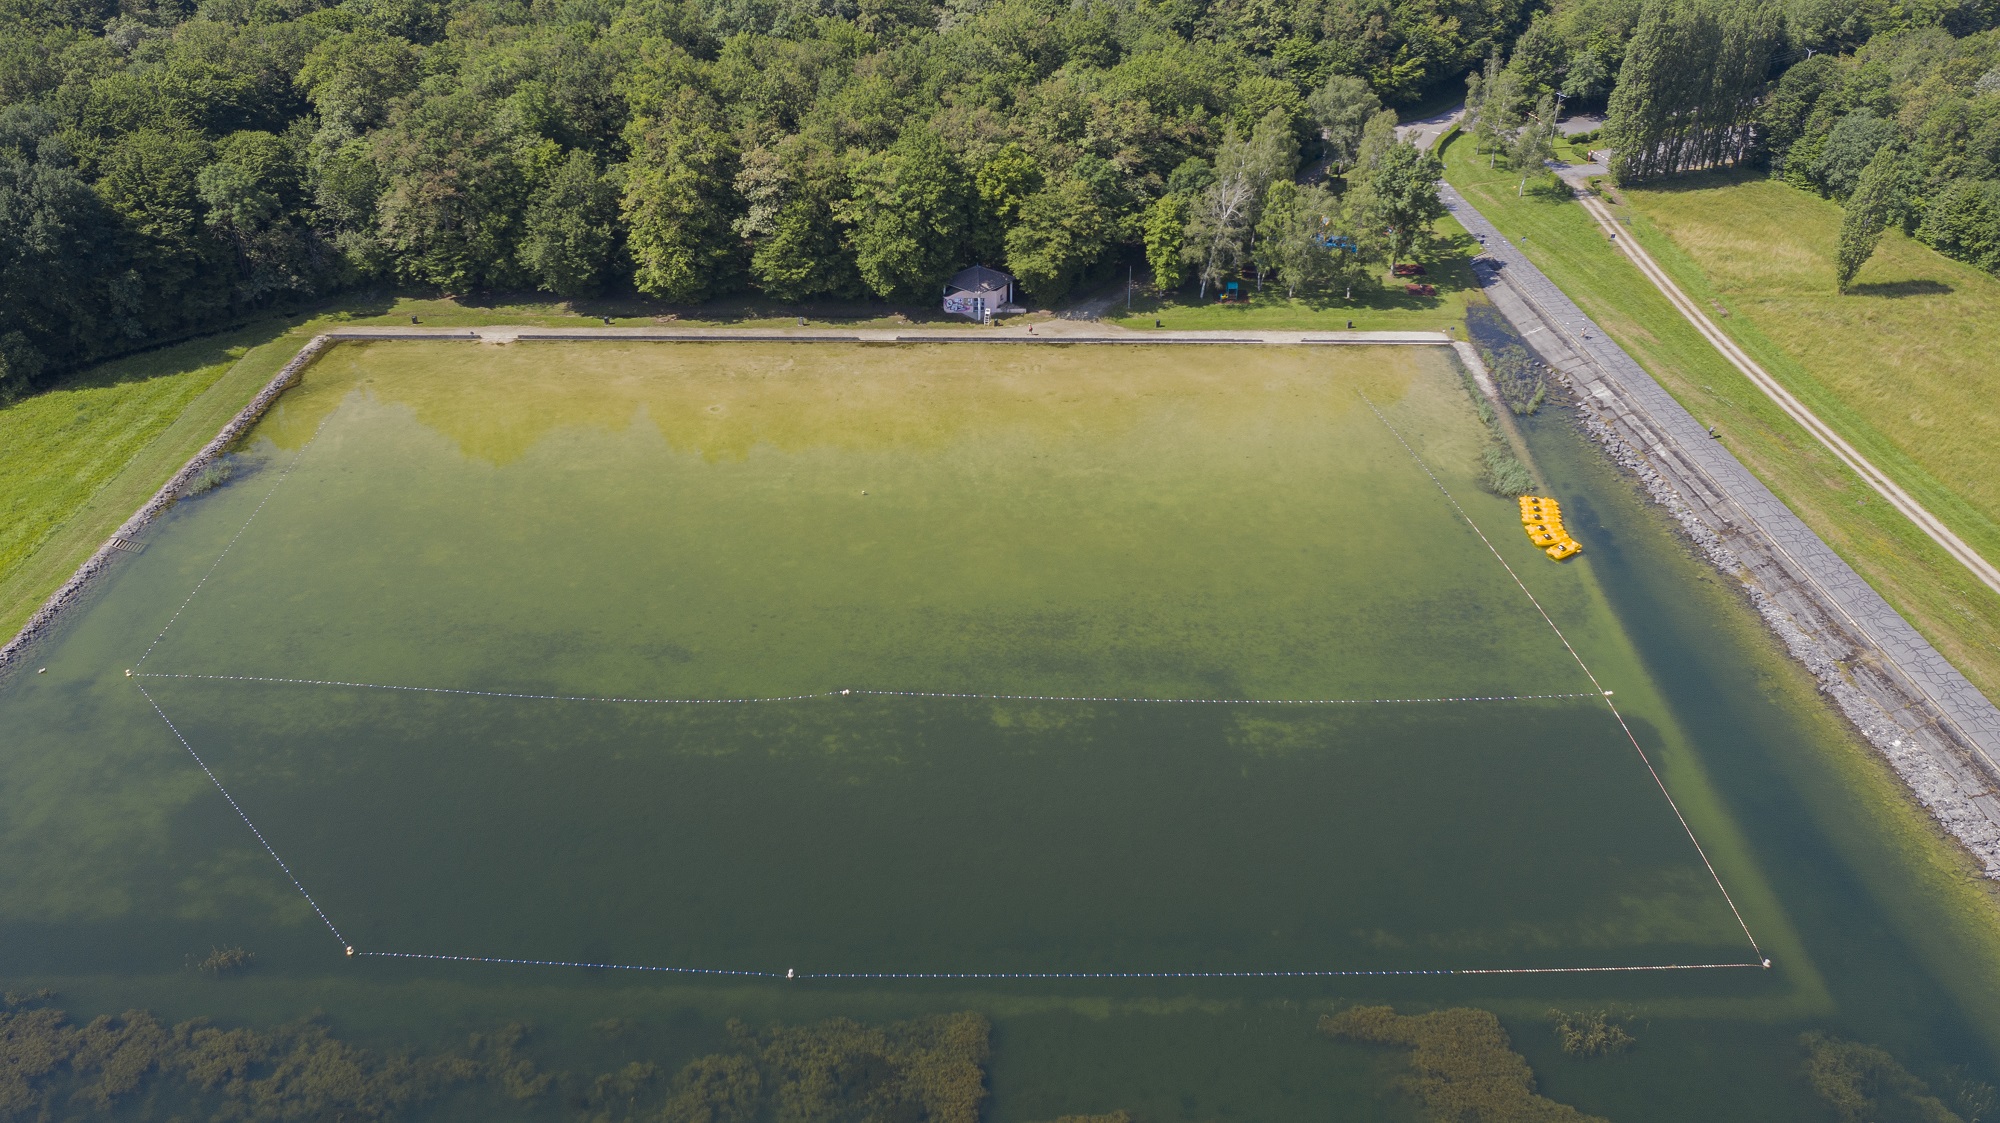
{"x": 678, "y": 202}
{"x": 569, "y": 233}
{"x": 1400, "y": 196}
{"x": 907, "y": 220}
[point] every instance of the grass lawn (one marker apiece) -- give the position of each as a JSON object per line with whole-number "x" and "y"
{"x": 1904, "y": 365}
{"x": 78, "y": 459}
{"x": 1384, "y": 307}
{"x": 1936, "y": 594}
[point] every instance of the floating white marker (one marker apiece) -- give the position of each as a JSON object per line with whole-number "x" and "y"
{"x": 41, "y": 670}
{"x": 128, "y": 672}
{"x": 350, "y": 951}
{"x": 791, "y": 974}
{"x": 1767, "y": 964}
{"x": 1607, "y": 694}
{"x": 847, "y": 692}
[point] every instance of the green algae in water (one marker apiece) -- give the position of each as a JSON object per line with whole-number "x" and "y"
{"x": 954, "y": 520}
{"x": 691, "y": 521}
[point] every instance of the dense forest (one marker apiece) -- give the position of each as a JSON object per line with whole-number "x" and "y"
{"x": 165, "y": 166}
{"x": 171, "y": 165}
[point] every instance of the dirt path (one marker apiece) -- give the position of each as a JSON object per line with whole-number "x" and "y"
{"x": 1884, "y": 486}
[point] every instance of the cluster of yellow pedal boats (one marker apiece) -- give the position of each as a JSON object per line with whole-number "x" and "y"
{"x": 1542, "y": 517}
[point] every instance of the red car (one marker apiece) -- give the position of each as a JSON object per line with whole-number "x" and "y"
{"x": 1421, "y": 290}
{"x": 1408, "y": 270}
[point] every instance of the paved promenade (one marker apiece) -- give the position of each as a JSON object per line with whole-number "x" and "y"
{"x": 1715, "y": 483}
{"x": 1056, "y": 331}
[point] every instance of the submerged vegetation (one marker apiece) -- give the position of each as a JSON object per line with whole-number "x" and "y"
{"x": 931, "y": 1069}
{"x": 214, "y": 474}
{"x": 1864, "y": 1084}
{"x": 1590, "y": 1033}
{"x": 297, "y": 1071}
{"x": 225, "y": 961}
{"x": 1463, "y": 1066}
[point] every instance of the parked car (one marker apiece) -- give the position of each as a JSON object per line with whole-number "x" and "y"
{"x": 1421, "y": 290}
{"x": 1409, "y": 269}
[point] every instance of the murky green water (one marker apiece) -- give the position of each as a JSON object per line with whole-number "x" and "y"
{"x": 1235, "y": 623}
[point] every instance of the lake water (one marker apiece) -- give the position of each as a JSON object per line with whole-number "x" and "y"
{"x": 1151, "y": 702}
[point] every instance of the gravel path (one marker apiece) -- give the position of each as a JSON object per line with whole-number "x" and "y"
{"x": 1874, "y": 477}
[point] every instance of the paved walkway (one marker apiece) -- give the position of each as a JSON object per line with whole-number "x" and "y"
{"x": 1047, "y": 331}
{"x": 1425, "y": 131}
{"x": 1605, "y": 373}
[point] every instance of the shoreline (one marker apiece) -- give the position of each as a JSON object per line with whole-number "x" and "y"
{"x": 1933, "y": 727}
{"x": 168, "y": 494}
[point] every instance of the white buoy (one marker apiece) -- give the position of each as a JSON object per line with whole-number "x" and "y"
{"x": 128, "y": 672}
{"x": 41, "y": 670}
{"x": 350, "y": 951}
{"x": 1767, "y": 963}
{"x": 792, "y": 974}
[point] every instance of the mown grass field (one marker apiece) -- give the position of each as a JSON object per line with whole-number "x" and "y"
{"x": 1904, "y": 365}
{"x": 78, "y": 459}
{"x": 1937, "y": 595}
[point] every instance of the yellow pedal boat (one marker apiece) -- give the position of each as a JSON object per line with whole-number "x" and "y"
{"x": 1545, "y": 537}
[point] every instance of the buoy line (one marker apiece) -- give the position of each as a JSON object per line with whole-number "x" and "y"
{"x": 351, "y": 952}
{"x": 748, "y": 700}
{"x": 1001, "y": 976}
{"x": 1602, "y": 694}
{"x": 245, "y": 816}
{"x": 259, "y": 509}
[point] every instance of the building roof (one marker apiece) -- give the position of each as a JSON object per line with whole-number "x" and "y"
{"x": 980, "y": 279}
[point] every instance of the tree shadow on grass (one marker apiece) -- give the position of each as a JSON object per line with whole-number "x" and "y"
{"x": 1897, "y": 289}
{"x": 1699, "y": 181}
{"x": 168, "y": 357}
